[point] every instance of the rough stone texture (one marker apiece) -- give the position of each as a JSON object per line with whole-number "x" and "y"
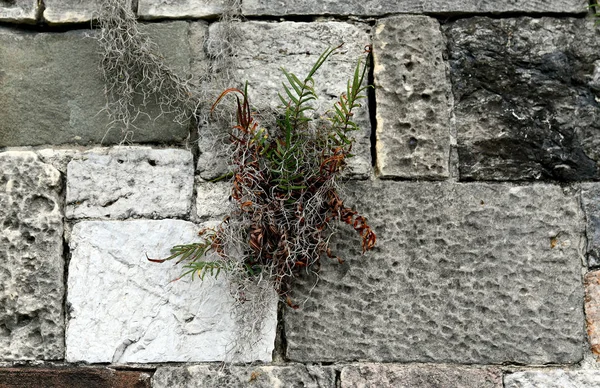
{"x": 136, "y": 312}
{"x": 413, "y": 94}
{"x": 21, "y": 11}
{"x": 126, "y": 182}
{"x": 592, "y": 310}
{"x": 205, "y": 376}
{"x": 59, "y": 158}
{"x": 51, "y": 91}
{"x": 212, "y": 200}
{"x": 72, "y": 378}
{"x": 31, "y": 263}
{"x": 383, "y": 7}
{"x": 590, "y": 199}
{"x": 557, "y": 378}
{"x": 262, "y": 48}
{"x": 153, "y": 9}
{"x": 525, "y": 94}
{"x": 70, "y": 11}
{"x": 422, "y": 376}
{"x": 476, "y": 273}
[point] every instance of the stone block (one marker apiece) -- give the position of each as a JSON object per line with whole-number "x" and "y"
{"x": 590, "y": 200}
{"x": 145, "y": 315}
{"x": 461, "y": 273}
{"x": 212, "y": 200}
{"x": 72, "y": 377}
{"x": 159, "y": 9}
{"x": 20, "y": 11}
{"x": 413, "y": 98}
{"x": 54, "y": 78}
{"x": 592, "y": 310}
{"x": 130, "y": 182}
{"x": 207, "y": 376}
{"x": 32, "y": 265}
{"x": 556, "y": 378}
{"x": 525, "y": 93}
{"x": 382, "y": 7}
{"x": 262, "y": 48}
{"x": 422, "y": 376}
{"x": 70, "y": 11}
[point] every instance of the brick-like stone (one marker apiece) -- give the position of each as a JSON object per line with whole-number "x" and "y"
{"x": 413, "y": 98}
{"x": 126, "y": 182}
{"x": 592, "y": 310}
{"x": 158, "y": 9}
{"x": 422, "y": 376}
{"x": 262, "y": 48}
{"x": 70, "y": 11}
{"x": 557, "y": 378}
{"x": 590, "y": 200}
{"x": 32, "y": 266}
{"x": 145, "y": 316}
{"x": 51, "y": 90}
{"x": 462, "y": 273}
{"x": 21, "y": 11}
{"x": 525, "y": 94}
{"x": 383, "y": 7}
{"x": 212, "y": 200}
{"x": 206, "y": 376}
{"x": 72, "y": 378}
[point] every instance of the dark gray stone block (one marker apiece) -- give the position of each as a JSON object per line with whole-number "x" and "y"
{"x": 461, "y": 273}
{"x": 526, "y": 98}
{"x": 590, "y": 199}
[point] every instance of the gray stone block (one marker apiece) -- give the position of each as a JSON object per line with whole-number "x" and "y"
{"x": 155, "y": 9}
{"x": 413, "y": 98}
{"x": 461, "y": 273}
{"x": 557, "y": 378}
{"x": 421, "y": 376}
{"x": 262, "y": 48}
{"x": 130, "y": 182}
{"x": 590, "y": 200}
{"x": 525, "y": 94}
{"x": 212, "y": 200}
{"x": 70, "y": 11}
{"x": 32, "y": 266}
{"x": 207, "y": 376}
{"x": 383, "y": 7}
{"x": 51, "y": 90}
{"x": 20, "y": 11}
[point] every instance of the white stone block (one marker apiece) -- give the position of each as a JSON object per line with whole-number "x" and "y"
{"x": 124, "y": 308}
{"x": 153, "y": 9}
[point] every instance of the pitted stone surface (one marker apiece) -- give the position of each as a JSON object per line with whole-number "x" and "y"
{"x": 413, "y": 98}
{"x": 525, "y": 94}
{"x": 51, "y": 90}
{"x": 590, "y": 199}
{"x": 422, "y": 376}
{"x": 462, "y": 273}
{"x": 152, "y": 9}
{"x": 126, "y": 182}
{"x": 71, "y": 11}
{"x": 212, "y": 200}
{"x": 592, "y": 310}
{"x": 382, "y": 7}
{"x": 137, "y": 313}
{"x": 31, "y": 262}
{"x": 557, "y": 378}
{"x": 262, "y": 48}
{"x": 22, "y": 11}
{"x": 205, "y": 376}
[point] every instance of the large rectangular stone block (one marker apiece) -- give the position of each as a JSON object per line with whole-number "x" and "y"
{"x": 70, "y": 11}
{"x": 31, "y": 261}
{"x": 525, "y": 94}
{"x": 21, "y": 11}
{"x": 262, "y": 48}
{"x": 555, "y": 378}
{"x": 136, "y": 312}
{"x": 384, "y": 7}
{"x": 461, "y": 273}
{"x": 413, "y": 97}
{"x": 51, "y": 90}
{"x": 158, "y": 9}
{"x": 126, "y": 182}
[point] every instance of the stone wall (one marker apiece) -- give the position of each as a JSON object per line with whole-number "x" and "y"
{"x": 478, "y": 167}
